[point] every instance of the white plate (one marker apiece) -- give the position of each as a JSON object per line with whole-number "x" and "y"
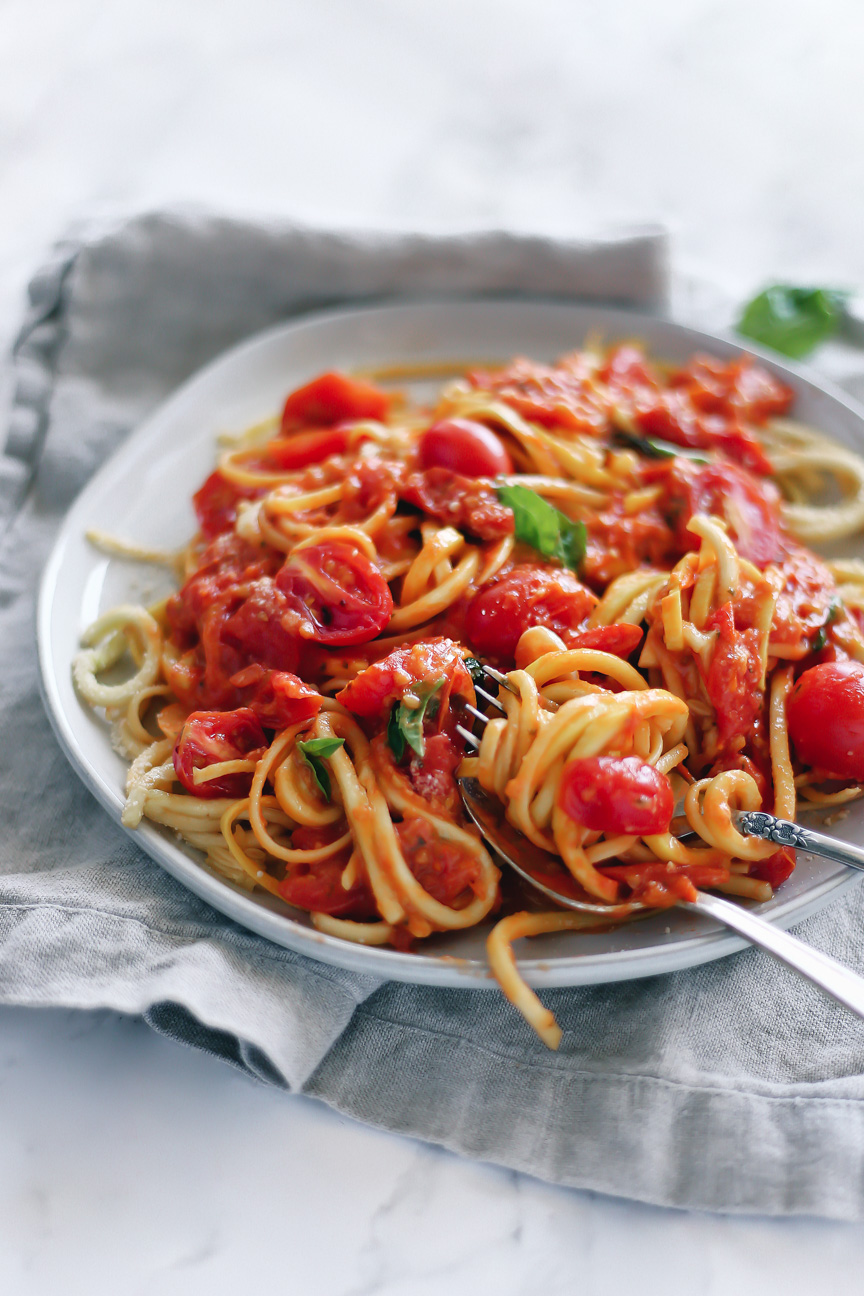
{"x": 143, "y": 493}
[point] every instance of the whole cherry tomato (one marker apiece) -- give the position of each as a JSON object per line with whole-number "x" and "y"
{"x": 465, "y": 447}
{"x": 332, "y": 397}
{"x": 616, "y": 794}
{"x": 825, "y": 712}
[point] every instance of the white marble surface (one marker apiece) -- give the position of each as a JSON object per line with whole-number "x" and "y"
{"x": 126, "y": 1163}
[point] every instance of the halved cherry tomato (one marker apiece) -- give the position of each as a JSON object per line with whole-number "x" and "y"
{"x": 825, "y": 712}
{"x": 210, "y": 737}
{"x": 615, "y": 794}
{"x": 300, "y": 449}
{"x": 528, "y": 595}
{"x": 465, "y": 447}
{"x": 332, "y": 397}
{"x": 337, "y": 595}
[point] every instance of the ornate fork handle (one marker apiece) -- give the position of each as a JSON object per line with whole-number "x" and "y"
{"x": 756, "y": 823}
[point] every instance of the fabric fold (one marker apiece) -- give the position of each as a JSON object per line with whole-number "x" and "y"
{"x": 729, "y": 1087}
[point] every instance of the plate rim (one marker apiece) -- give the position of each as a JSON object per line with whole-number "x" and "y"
{"x": 415, "y": 968}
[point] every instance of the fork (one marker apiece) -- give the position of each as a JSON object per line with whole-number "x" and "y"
{"x": 526, "y": 859}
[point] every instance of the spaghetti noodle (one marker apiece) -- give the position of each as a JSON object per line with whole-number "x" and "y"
{"x": 607, "y": 533}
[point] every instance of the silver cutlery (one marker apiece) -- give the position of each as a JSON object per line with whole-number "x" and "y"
{"x": 527, "y": 860}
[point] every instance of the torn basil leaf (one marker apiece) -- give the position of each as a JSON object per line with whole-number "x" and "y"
{"x": 314, "y": 752}
{"x": 476, "y": 671}
{"x": 793, "y": 320}
{"x": 405, "y": 727}
{"x": 655, "y": 448}
{"x": 821, "y": 638}
{"x": 539, "y": 524}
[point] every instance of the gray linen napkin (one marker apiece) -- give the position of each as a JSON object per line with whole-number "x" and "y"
{"x": 731, "y": 1087}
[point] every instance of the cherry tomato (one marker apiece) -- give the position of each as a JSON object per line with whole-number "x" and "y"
{"x": 751, "y": 508}
{"x": 776, "y": 868}
{"x": 337, "y": 595}
{"x": 614, "y": 794}
{"x": 332, "y": 397}
{"x": 432, "y": 775}
{"x": 443, "y": 868}
{"x": 470, "y": 505}
{"x": 278, "y": 698}
{"x": 619, "y": 640}
{"x": 258, "y": 629}
{"x": 825, "y": 712}
{"x": 564, "y": 394}
{"x": 375, "y": 689}
{"x": 317, "y": 886}
{"x": 209, "y": 737}
{"x": 464, "y": 447}
{"x": 300, "y": 449}
{"x": 215, "y": 504}
{"x": 528, "y": 595}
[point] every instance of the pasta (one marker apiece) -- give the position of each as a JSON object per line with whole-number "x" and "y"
{"x": 623, "y": 541}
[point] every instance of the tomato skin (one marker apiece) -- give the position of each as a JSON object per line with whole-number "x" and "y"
{"x": 372, "y": 693}
{"x": 750, "y": 507}
{"x": 278, "y": 698}
{"x": 776, "y": 868}
{"x": 465, "y": 447}
{"x": 469, "y": 504}
{"x": 733, "y": 680}
{"x": 337, "y": 595}
{"x": 825, "y": 712}
{"x": 445, "y": 869}
{"x": 528, "y": 595}
{"x": 332, "y": 397}
{"x": 615, "y": 794}
{"x": 300, "y": 449}
{"x": 619, "y": 640}
{"x": 209, "y": 737}
{"x": 317, "y": 886}
{"x": 215, "y": 504}
{"x": 562, "y": 395}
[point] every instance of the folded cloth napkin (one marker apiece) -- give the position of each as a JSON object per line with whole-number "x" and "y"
{"x": 731, "y": 1087}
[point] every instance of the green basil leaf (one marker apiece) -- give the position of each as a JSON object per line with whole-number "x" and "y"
{"x": 476, "y": 671}
{"x": 405, "y": 727}
{"x": 655, "y": 448}
{"x": 314, "y": 752}
{"x": 545, "y": 528}
{"x": 793, "y": 320}
{"x": 834, "y": 609}
{"x": 395, "y": 736}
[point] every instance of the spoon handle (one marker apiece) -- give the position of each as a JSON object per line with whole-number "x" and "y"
{"x": 835, "y": 979}
{"x": 756, "y": 823}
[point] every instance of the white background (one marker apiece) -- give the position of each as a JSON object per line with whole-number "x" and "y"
{"x": 126, "y": 1163}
